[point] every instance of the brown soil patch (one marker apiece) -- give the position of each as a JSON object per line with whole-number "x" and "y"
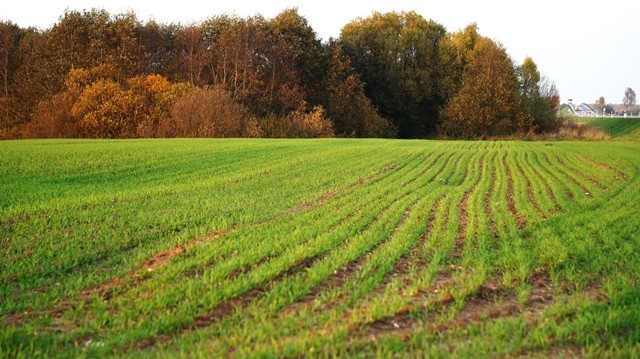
{"x": 228, "y": 307}
{"x": 436, "y": 291}
{"x": 224, "y": 309}
{"x": 487, "y": 208}
{"x": 567, "y": 351}
{"x": 162, "y": 258}
{"x": 339, "y": 276}
{"x": 412, "y": 257}
{"x": 247, "y": 268}
{"x": 436, "y": 295}
{"x": 464, "y": 214}
{"x": 13, "y": 220}
{"x": 511, "y": 204}
{"x": 312, "y": 204}
{"x": 462, "y": 227}
{"x": 13, "y": 320}
{"x": 402, "y": 267}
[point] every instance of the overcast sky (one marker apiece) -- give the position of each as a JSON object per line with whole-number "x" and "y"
{"x": 589, "y": 48}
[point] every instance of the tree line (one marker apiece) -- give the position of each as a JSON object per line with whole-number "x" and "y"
{"x": 628, "y": 105}
{"x": 99, "y": 75}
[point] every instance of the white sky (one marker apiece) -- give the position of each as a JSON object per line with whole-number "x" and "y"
{"x": 589, "y": 48}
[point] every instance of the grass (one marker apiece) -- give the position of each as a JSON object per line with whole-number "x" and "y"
{"x": 621, "y": 128}
{"x": 209, "y": 248}
{"x": 618, "y": 128}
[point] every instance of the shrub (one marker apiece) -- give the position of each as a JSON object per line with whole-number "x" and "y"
{"x": 311, "y": 123}
{"x": 52, "y": 118}
{"x": 208, "y": 112}
{"x": 579, "y": 130}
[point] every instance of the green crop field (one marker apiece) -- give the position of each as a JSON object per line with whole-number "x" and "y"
{"x": 289, "y": 248}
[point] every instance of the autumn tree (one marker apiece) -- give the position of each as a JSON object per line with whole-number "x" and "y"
{"x": 79, "y": 40}
{"x": 551, "y": 109}
{"x": 529, "y": 79}
{"x": 193, "y": 54}
{"x": 99, "y": 103}
{"x": 159, "y": 50}
{"x": 600, "y": 103}
{"x": 34, "y": 80}
{"x": 278, "y": 71}
{"x": 456, "y": 52}
{"x": 233, "y": 66}
{"x": 396, "y": 56}
{"x": 52, "y": 116}
{"x": 305, "y": 49}
{"x": 10, "y": 36}
{"x": 256, "y": 61}
{"x": 92, "y": 38}
{"x": 489, "y": 102}
{"x": 100, "y": 75}
{"x": 629, "y": 98}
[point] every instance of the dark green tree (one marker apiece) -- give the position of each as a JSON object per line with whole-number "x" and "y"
{"x": 397, "y": 57}
{"x": 306, "y": 50}
{"x": 346, "y": 103}
{"x": 539, "y": 96}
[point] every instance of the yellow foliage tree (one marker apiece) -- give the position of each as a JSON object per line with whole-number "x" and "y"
{"x": 109, "y": 109}
{"x": 488, "y": 102}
